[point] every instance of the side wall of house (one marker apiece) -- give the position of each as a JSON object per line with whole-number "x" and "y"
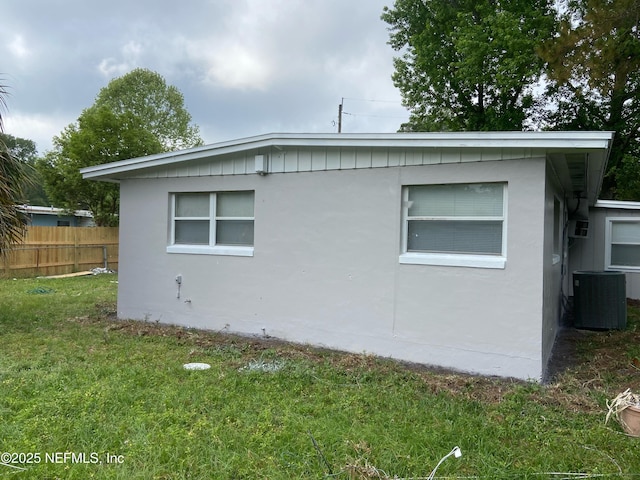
{"x": 555, "y": 255}
{"x": 326, "y": 269}
{"x": 589, "y": 253}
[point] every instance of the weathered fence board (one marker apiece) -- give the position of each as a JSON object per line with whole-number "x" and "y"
{"x": 59, "y": 250}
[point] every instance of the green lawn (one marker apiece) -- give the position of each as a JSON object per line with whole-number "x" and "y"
{"x": 83, "y": 395}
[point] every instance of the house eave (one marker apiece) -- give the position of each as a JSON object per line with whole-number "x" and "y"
{"x": 617, "y": 204}
{"x": 547, "y": 142}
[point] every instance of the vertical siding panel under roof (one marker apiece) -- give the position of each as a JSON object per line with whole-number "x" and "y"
{"x": 380, "y": 158}
{"x": 276, "y": 162}
{"x": 394, "y": 158}
{"x": 319, "y": 159}
{"x": 304, "y": 161}
{"x": 348, "y": 159}
{"x": 227, "y": 166}
{"x": 240, "y": 165}
{"x": 451, "y": 155}
{"x": 413, "y": 156}
{"x": 215, "y": 168}
{"x": 489, "y": 154}
{"x": 290, "y": 161}
{"x": 333, "y": 158}
{"x": 431, "y": 156}
{"x": 363, "y": 158}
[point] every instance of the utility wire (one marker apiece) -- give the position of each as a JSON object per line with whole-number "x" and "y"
{"x": 367, "y": 115}
{"x": 372, "y": 100}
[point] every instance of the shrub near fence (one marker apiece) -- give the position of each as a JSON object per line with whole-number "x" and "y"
{"x": 60, "y": 250}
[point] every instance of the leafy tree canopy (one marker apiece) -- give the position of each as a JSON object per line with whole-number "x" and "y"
{"x": 475, "y": 65}
{"x": 135, "y": 115}
{"x": 468, "y": 64}
{"x": 21, "y": 148}
{"x": 100, "y": 136}
{"x": 160, "y": 107}
{"x": 594, "y": 70}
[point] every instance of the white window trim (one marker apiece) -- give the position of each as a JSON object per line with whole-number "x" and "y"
{"x": 607, "y": 241}
{"x": 453, "y": 259}
{"x": 212, "y": 248}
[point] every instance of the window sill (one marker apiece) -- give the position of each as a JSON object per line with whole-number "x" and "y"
{"x": 453, "y": 260}
{"x": 209, "y": 250}
{"x": 622, "y": 268}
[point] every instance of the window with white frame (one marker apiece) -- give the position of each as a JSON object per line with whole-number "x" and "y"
{"x": 212, "y": 223}
{"x": 623, "y": 244}
{"x": 455, "y": 224}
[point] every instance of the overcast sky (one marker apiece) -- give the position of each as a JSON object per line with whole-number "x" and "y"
{"x": 245, "y": 67}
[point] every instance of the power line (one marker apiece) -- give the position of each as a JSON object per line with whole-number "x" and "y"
{"x": 372, "y": 100}
{"x": 341, "y": 111}
{"x": 368, "y": 115}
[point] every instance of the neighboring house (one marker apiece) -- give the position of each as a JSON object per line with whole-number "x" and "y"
{"x": 610, "y": 242}
{"x": 56, "y": 217}
{"x": 438, "y": 248}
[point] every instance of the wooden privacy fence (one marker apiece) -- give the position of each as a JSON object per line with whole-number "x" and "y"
{"x": 60, "y": 250}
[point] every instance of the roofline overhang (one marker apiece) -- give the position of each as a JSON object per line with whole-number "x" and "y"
{"x": 618, "y": 204}
{"x": 551, "y": 142}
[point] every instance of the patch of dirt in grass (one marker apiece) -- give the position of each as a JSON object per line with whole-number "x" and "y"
{"x": 597, "y": 359}
{"x": 586, "y": 363}
{"x": 107, "y": 310}
{"x": 471, "y": 387}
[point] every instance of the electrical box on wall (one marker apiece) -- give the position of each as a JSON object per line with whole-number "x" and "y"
{"x": 578, "y": 228}
{"x": 261, "y": 164}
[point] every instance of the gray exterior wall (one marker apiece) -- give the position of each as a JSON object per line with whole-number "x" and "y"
{"x": 589, "y": 253}
{"x": 326, "y": 268}
{"x": 552, "y": 263}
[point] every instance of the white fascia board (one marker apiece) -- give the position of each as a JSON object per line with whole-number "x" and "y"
{"x": 620, "y": 204}
{"x": 544, "y": 140}
{"x": 548, "y": 141}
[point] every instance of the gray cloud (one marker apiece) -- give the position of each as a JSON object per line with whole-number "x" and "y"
{"x": 245, "y": 67}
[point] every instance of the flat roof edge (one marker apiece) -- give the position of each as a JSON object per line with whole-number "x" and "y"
{"x": 561, "y": 140}
{"x": 620, "y": 204}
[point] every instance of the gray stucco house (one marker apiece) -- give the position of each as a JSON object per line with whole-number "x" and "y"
{"x": 438, "y": 248}
{"x": 611, "y": 242}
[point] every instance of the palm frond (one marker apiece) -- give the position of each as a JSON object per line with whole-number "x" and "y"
{"x": 12, "y": 179}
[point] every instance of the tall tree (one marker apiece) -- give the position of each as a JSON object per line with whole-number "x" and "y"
{"x": 159, "y": 106}
{"x": 13, "y": 177}
{"x": 468, "y": 64}
{"x": 133, "y": 116}
{"x": 594, "y": 67}
{"x": 100, "y": 136}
